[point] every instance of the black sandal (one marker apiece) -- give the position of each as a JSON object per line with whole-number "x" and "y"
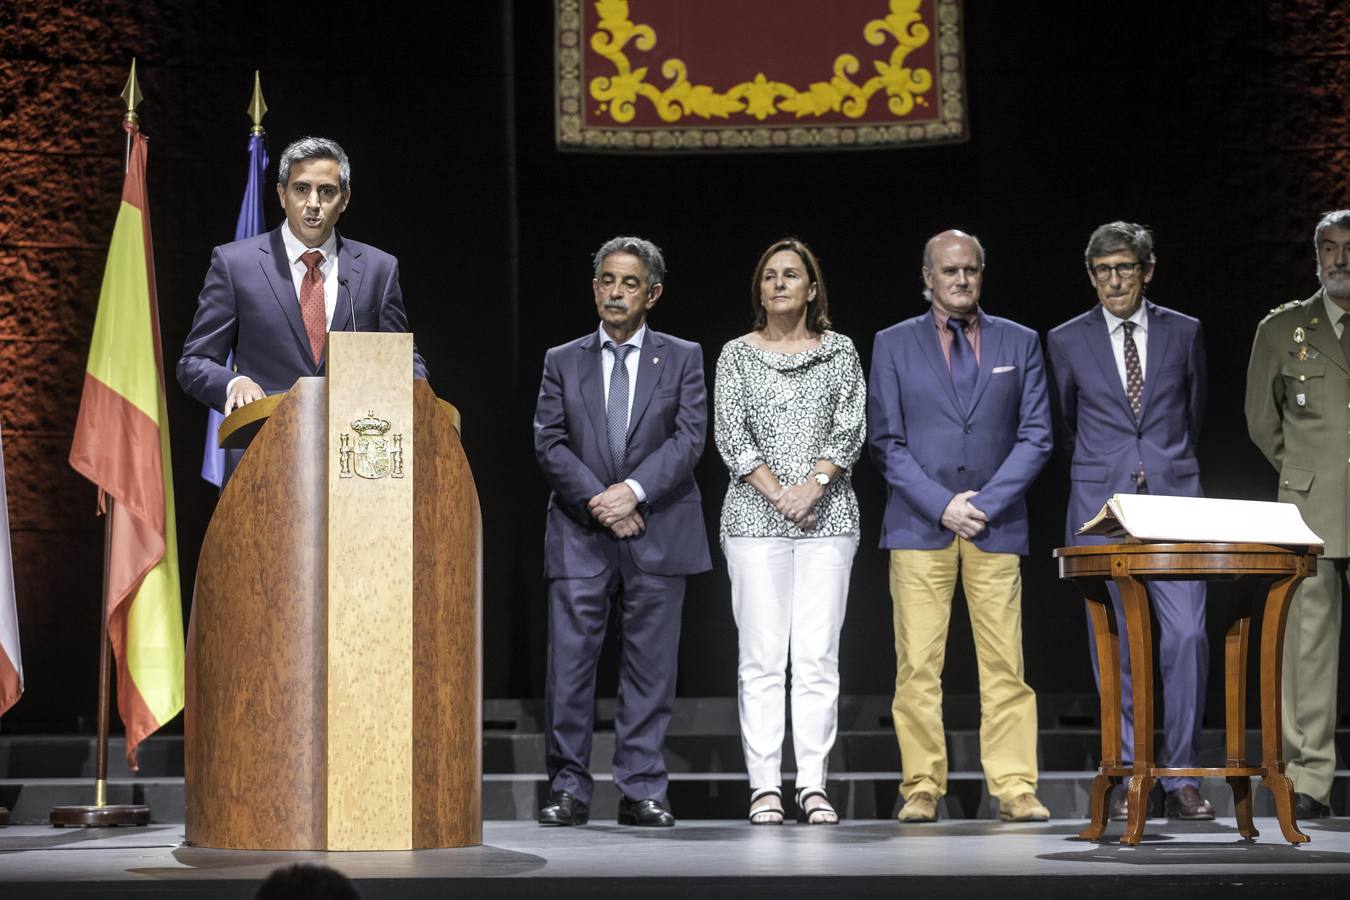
{"x": 820, "y": 814}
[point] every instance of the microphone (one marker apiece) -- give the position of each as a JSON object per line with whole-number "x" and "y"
{"x": 350, "y": 302}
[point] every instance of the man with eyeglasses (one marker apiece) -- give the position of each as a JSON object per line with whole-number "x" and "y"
{"x": 1129, "y": 396}
{"x": 1298, "y": 414}
{"x": 620, "y": 422}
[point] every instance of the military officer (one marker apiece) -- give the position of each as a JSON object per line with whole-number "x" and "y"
{"x": 1298, "y": 413}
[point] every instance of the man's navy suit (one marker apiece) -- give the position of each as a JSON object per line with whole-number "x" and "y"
{"x": 929, "y": 449}
{"x": 587, "y": 566}
{"x": 1096, "y": 425}
{"x": 248, "y": 305}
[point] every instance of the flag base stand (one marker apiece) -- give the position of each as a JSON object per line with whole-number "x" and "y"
{"x": 102, "y": 814}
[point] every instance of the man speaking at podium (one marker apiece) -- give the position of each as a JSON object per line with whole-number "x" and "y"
{"x": 621, "y": 421}
{"x": 273, "y": 298}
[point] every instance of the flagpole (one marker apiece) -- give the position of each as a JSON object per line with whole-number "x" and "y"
{"x": 102, "y": 814}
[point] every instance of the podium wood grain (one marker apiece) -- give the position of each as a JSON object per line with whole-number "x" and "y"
{"x": 447, "y": 637}
{"x": 370, "y": 601}
{"x": 257, "y": 683}
{"x": 266, "y": 712}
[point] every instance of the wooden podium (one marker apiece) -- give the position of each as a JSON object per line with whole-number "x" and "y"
{"x": 334, "y": 649}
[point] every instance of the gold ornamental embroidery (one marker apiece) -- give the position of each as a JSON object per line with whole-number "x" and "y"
{"x": 762, "y": 98}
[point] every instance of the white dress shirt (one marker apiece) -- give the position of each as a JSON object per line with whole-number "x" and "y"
{"x": 607, "y": 356}
{"x": 1115, "y": 328}
{"x": 327, "y": 268}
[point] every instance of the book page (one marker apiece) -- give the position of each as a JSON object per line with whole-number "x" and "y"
{"x": 1153, "y": 517}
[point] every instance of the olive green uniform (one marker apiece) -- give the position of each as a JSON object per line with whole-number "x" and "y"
{"x": 1298, "y": 414}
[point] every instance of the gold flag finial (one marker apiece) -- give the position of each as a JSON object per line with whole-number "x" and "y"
{"x": 257, "y": 108}
{"x": 132, "y": 95}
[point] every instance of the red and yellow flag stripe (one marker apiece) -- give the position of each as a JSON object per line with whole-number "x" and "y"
{"x": 122, "y": 445}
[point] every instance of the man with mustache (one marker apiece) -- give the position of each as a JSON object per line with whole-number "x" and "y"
{"x": 620, "y": 422}
{"x": 959, "y": 426}
{"x": 1128, "y": 395}
{"x": 1298, "y": 414}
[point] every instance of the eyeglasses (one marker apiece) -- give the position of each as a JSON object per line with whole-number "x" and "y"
{"x": 1102, "y": 272}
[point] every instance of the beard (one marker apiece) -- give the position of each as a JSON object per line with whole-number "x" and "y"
{"x": 1336, "y": 283}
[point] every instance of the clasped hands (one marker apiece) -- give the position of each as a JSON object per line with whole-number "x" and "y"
{"x": 797, "y": 503}
{"x": 962, "y": 517}
{"x": 616, "y": 508}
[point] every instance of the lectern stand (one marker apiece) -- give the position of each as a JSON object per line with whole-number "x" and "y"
{"x": 1131, "y": 566}
{"x": 334, "y": 650}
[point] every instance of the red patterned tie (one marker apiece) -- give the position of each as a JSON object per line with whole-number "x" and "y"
{"x": 311, "y": 303}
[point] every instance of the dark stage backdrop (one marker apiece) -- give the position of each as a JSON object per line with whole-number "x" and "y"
{"x": 1228, "y": 133}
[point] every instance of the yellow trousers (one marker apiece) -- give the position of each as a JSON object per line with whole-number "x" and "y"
{"x": 922, "y": 583}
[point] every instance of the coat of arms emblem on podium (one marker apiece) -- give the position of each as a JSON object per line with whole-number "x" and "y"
{"x": 370, "y": 454}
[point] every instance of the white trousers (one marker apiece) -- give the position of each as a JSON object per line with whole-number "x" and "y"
{"x": 788, "y": 597}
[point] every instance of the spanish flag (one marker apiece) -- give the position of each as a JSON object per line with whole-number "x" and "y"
{"x": 122, "y": 445}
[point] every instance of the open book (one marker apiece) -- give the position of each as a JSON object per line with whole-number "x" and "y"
{"x": 1152, "y": 517}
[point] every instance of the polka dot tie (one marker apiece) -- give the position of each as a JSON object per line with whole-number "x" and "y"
{"x": 311, "y": 304}
{"x": 1134, "y": 373}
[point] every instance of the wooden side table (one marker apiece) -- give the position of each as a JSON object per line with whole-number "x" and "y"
{"x": 1131, "y": 566}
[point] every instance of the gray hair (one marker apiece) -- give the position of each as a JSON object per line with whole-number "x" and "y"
{"x": 955, "y": 232}
{"x": 650, "y": 254}
{"x": 1337, "y": 218}
{"x": 1120, "y": 237}
{"x": 315, "y": 148}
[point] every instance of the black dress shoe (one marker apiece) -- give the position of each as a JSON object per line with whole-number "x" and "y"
{"x": 564, "y": 809}
{"x": 644, "y": 812}
{"x": 1306, "y": 807}
{"x": 1187, "y": 804}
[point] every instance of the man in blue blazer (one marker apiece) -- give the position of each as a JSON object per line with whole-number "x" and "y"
{"x": 271, "y": 299}
{"x": 959, "y": 425}
{"x": 620, "y": 422}
{"x": 1129, "y": 397}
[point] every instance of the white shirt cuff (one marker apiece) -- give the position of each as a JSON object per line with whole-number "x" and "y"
{"x": 637, "y": 489}
{"x": 229, "y": 386}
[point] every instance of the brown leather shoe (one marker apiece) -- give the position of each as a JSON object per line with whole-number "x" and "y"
{"x": 1024, "y": 808}
{"x": 920, "y": 806}
{"x": 1188, "y": 804}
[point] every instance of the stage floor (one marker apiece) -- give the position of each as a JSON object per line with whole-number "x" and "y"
{"x": 707, "y": 859}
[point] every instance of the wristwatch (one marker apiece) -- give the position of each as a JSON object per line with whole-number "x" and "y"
{"x": 821, "y": 479}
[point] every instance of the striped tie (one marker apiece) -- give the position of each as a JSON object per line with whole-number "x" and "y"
{"x": 616, "y": 405}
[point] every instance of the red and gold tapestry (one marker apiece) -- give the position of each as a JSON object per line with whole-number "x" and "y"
{"x": 677, "y": 75}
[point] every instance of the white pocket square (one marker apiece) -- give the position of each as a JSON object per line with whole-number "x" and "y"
{"x": 998, "y": 370}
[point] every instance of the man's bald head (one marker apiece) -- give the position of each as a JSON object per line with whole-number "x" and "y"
{"x": 951, "y": 234}
{"x": 953, "y": 271}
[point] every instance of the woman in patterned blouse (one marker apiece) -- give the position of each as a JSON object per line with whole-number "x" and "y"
{"x": 790, "y": 421}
